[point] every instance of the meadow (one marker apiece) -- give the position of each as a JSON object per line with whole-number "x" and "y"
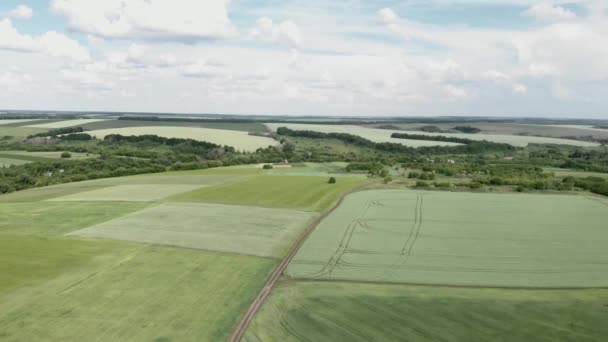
{"x": 92, "y": 258}
{"x": 232, "y": 126}
{"x": 214, "y": 227}
{"x": 15, "y": 121}
{"x": 295, "y": 192}
{"x": 65, "y": 123}
{"x": 240, "y": 140}
{"x": 384, "y": 135}
{"x": 6, "y": 162}
{"x": 470, "y": 239}
{"x": 338, "y": 311}
{"x": 372, "y": 134}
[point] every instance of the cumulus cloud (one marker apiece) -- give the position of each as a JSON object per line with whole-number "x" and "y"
{"x": 547, "y": 12}
{"x": 14, "y": 81}
{"x": 21, "y": 12}
{"x": 286, "y": 33}
{"x": 503, "y": 80}
{"x": 178, "y": 20}
{"x": 389, "y": 18}
{"x": 52, "y": 43}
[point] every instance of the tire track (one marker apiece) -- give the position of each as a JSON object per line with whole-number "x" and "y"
{"x": 241, "y": 327}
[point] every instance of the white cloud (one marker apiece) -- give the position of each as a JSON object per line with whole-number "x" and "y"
{"x": 11, "y": 39}
{"x": 503, "y": 80}
{"x": 286, "y": 33}
{"x": 21, "y": 12}
{"x": 177, "y": 20}
{"x": 58, "y": 45}
{"x": 455, "y": 93}
{"x": 52, "y": 43}
{"x": 547, "y": 12}
{"x": 14, "y": 81}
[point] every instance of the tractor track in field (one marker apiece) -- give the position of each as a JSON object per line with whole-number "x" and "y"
{"x": 241, "y": 327}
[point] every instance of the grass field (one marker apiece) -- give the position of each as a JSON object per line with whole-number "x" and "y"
{"x": 383, "y": 135}
{"x": 510, "y": 240}
{"x": 65, "y": 123}
{"x": 6, "y": 162}
{"x": 57, "y": 218}
{"x": 28, "y": 261}
{"x": 224, "y": 228}
{"x": 575, "y": 173}
{"x": 15, "y": 121}
{"x": 130, "y": 193}
{"x": 297, "y": 192}
{"x": 244, "y": 127}
{"x": 135, "y": 294}
{"x": 553, "y": 131}
{"x": 241, "y": 141}
{"x": 19, "y": 133}
{"x": 373, "y": 134}
{"x": 45, "y": 155}
{"x": 334, "y": 311}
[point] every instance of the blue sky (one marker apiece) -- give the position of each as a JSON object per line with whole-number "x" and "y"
{"x": 352, "y": 57}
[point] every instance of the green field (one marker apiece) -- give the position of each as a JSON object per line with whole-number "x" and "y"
{"x": 373, "y": 134}
{"x": 384, "y": 135}
{"x": 237, "y": 126}
{"x": 15, "y": 121}
{"x": 134, "y": 294}
{"x": 298, "y": 192}
{"x": 224, "y": 228}
{"x": 131, "y": 193}
{"x": 58, "y": 218}
{"x": 18, "y": 133}
{"x": 334, "y": 311}
{"x": 6, "y": 162}
{"x": 71, "y": 278}
{"x": 575, "y": 173}
{"x": 417, "y": 237}
{"x": 65, "y": 123}
{"x": 241, "y": 141}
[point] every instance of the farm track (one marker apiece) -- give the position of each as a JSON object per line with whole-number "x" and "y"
{"x": 243, "y": 324}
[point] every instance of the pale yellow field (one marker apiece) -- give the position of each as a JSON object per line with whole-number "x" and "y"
{"x": 66, "y": 123}
{"x": 241, "y": 141}
{"x": 13, "y": 121}
{"x": 384, "y": 135}
{"x": 373, "y": 134}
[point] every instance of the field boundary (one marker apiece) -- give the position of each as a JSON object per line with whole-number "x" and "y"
{"x": 457, "y": 286}
{"x": 243, "y": 324}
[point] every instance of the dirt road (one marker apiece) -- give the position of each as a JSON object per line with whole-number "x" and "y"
{"x": 241, "y": 327}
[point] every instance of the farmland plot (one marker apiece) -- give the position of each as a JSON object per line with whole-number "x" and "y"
{"x": 297, "y": 192}
{"x": 240, "y": 140}
{"x": 15, "y": 121}
{"x": 236, "y": 229}
{"x": 130, "y": 193}
{"x": 384, "y": 135}
{"x": 350, "y": 312}
{"x": 461, "y": 239}
{"x": 373, "y": 134}
{"x": 133, "y": 293}
{"x": 65, "y": 123}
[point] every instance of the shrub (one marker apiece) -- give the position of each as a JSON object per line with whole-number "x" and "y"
{"x": 267, "y": 167}
{"x": 388, "y": 179}
{"x": 332, "y": 180}
{"x": 421, "y": 184}
{"x": 66, "y": 155}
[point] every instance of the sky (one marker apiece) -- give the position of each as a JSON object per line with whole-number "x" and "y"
{"x": 516, "y": 58}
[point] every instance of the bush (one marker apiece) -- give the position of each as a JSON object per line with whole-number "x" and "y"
{"x": 66, "y": 155}
{"x": 421, "y": 184}
{"x": 267, "y": 167}
{"x": 388, "y": 179}
{"x": 332, "y": 180}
